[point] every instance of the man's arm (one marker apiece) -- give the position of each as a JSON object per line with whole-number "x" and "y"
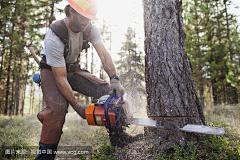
{"x": 106, "y": 59}
{"x": 66, "y": 90}
{"x": 63, "y": 85}
{"x": 109, "y": 67}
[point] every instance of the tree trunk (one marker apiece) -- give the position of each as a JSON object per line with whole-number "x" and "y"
{"x": 12, "y": 105}
{"x": 2, "y": 57}
{"x": 17, "y": 92}
{"x": 8, "y": 77}
{"x": 30, "y": 98}
{"x": 7, "y": 90}
{"x": 21, "y": 53}
{"x": 33, "y": 99}
{"x": 171, "y": 94}
{"x": 229, "y": 40}
{"x": 52, "y": 18}
{"x": 24, "y": 90}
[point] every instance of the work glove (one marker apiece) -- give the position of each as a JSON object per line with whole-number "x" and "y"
{"x": 80, "y": 110}
{"x": 115, "y": 86}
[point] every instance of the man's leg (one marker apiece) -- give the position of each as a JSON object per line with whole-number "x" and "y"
{"x": 87, "y": 84}
{"x": 53, "y": 116}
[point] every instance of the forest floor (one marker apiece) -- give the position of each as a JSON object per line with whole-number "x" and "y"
{"x": 25, "y": 131}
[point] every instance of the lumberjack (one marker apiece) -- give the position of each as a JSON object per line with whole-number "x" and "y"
{"x": 61, "y": 72}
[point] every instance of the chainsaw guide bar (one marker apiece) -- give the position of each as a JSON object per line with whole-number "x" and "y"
{"x": 109, "y": 111}
{"x": 203, "y": 129}
{"x": 187, "y": 128}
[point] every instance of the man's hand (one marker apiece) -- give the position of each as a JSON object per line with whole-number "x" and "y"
{"x": 80, "y": 110}
{"x": 116, "y": 86}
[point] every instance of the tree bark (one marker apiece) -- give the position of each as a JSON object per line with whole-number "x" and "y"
{"x": 171, "y": 93}
{"x": 33, "y": 97}
{"x": 7, "y": 90}
{"x": 52, "y": 18}
{"x": 12, "y": 104}
{"x": 21, "y": 53}
{"x": 8, "y": 77}
{"x": 24, "y": 88}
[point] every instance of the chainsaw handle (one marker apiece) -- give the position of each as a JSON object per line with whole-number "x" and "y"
{"x": 34, "y": 55}
{"x": 106, "y": 111}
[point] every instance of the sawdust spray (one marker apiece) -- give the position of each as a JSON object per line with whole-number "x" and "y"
{"x": 137, "y": 102}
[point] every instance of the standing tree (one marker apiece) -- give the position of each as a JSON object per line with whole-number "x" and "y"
{"x": 171, "y": 94}
{"x": 196, "y": 42}
{"x": 130, "y": 65}
{"x": 131, "y": 69}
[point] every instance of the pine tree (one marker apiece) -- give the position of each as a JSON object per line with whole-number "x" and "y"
{"x": 131, "y": 70}
{"x": 220, "y": 48}
{"x": 233, "y": 56}
{"x": 171, "y": 93}
{"x": 196, "y": 15}
{"x": 130, "y": 65}
{"x": 20, "y": 24}
{"x": 209, "y": 28}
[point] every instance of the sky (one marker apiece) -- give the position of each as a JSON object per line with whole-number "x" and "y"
{"x": 236, "y": 11}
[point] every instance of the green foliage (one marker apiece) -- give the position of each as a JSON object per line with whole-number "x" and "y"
{"x": 227, "y": 117}
{"x": 209, "y": 147}
{"x": 104, "y": 152}
{"x": 213, "y": 47}
{"x": 15, "y": 134}
{"x": 124, "y": 151}
{"x": 20, "y": 25}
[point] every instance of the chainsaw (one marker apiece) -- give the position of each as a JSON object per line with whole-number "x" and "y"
{"x": 113, "y": 113}
{"x": 109, "y": 111}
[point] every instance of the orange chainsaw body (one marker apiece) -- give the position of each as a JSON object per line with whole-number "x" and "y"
{"x": 95, "y": 115}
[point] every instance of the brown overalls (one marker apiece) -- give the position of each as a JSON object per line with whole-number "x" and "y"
{"x": 53, "y": 116}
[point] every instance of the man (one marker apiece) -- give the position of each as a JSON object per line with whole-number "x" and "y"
{"x": 61, "y": 73}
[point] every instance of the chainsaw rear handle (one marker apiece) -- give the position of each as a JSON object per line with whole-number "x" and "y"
{"x": 34, "y": 55}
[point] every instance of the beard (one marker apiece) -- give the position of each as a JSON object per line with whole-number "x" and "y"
{"x": 77, "y": 25}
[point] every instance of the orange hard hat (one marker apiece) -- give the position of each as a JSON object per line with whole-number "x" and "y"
{"x": 87, "y": 8}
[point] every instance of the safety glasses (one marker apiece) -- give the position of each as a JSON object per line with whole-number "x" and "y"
{"x": 83, "y": 18}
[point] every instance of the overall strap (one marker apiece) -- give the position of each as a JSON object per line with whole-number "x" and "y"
{"x": 60, "y": 29}
{"x": 86, "y": 35}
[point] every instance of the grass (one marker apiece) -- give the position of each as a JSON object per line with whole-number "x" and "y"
{"x": 18, "y": 133}
{"x": 25, "y": 131}
{"x": 210, "y": 146}
{"x": 77, "y": 132}
{"x": 226, "y": 116}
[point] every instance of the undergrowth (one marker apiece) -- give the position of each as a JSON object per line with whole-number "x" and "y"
{"x": 18, "y": 134}
{"x": 210, "y": 147}
{"x": 25, "y": 131}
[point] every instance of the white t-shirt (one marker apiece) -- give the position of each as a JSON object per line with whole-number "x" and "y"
{"x": 54, "y": 47}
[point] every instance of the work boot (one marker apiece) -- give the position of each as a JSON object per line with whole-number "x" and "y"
{"x": 46, "y": 151}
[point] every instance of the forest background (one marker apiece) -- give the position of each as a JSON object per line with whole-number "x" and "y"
{"x": 213, "y": 47}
